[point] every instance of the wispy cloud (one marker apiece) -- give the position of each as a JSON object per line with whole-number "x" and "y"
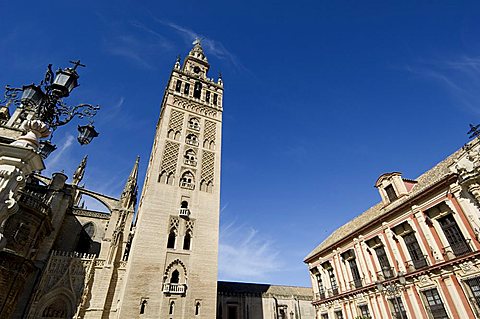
{"x": 58, "y": 160}
{"x": 244, "y": 255}
{"x": 128, "y": 47}
{"x": 213, "y": 47}
{"x": 460, "y": 77}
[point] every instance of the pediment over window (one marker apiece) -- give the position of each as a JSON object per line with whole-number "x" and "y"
{"x": 392, "y": 186}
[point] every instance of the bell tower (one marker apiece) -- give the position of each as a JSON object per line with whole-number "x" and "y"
{"x": 172, "y": 267}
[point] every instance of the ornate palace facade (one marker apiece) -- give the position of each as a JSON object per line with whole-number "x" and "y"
{"x": 416, "y": 254}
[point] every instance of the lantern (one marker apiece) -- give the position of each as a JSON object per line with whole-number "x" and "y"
{"x": 86, "y": 133}
{"x": 65, "y": 81}
{"x": 32, "y": 96}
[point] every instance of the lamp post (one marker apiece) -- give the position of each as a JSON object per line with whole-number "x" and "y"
{"x": 393, "y": 289}
{"x": 40, "y": 111}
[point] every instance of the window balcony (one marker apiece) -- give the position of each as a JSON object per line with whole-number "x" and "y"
{"x": 174, "y": 289}
{"x": 332, "y": 292}
{"x": 187, "y": 185}
{"x": 184, "y": 212}
{"x": 190, "y": 162}
{"x": 357, "y": 283}
{"x": 192, "y": 142}
{"x": 419, "y": 263}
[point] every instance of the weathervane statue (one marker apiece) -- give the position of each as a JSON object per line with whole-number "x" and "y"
{"x": 41, "y": 110}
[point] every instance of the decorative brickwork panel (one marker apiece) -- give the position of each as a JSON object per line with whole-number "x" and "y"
{"x": 176, "y": 121}
{"x": 208, "y": 165}
{"x": 174, "y": 222}
{"x": 210, "y": 131}
{"x": 189, "y": 225}
{"x": 170, "y": 157}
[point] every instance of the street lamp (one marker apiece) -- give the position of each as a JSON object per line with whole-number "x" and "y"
{"x": 45, "y": 100}
{"x": 393, "y": 289}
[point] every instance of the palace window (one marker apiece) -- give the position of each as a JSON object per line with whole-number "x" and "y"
{"x": 338, "y": 314}
{"x": 178, "y": 86}
{"x": 398, "y": 310}
{"x": 333, "y": 281}
{"x": 186, "y": 90}
{"x": 357, "y": 280}
{"x": 321, "y": 289}
{"x": 392, "y": 196}
{"x": 455, "y": 238}
{"x": 363, "y": 309}
{"x": 474, "y": 285}
{"x": 435, "y": 304}
{"x": 418, "y": 258}
{"x": 387, "y": 270}
{"x": 197, "y": 90}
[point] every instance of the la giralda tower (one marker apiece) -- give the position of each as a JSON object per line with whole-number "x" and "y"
{"x": 172, "y": 267}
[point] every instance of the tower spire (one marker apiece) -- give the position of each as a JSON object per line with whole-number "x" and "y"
{"x": 130, "y": 191}
{"x": 80, "y": 172}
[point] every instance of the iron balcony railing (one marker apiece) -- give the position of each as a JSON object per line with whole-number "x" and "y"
{"x": 194, "y": 126}
{"x": 190, "y": 162}
{"x": 187, "y": 185}
{"x": 386, "y": 273}
{"x": 420, "y": 263}
{"x": 174, "y": 289}
{"x": 192, "y": 142}
{"x": 458, "y": 249}
{"x": 184, "y": 212}
{"x": 356, "y": 283}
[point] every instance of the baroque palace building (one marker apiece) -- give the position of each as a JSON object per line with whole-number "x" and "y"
{"x": 62, "y": 260}
{"x": 416, "y": 254}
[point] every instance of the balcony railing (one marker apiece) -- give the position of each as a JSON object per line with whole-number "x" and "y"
{"x": 458, "y": 249}
{"x": 420, "y": 263}
{"x": 399, "y": 315}
{"x": 194, "y": 126}
{"x": 190, "y": 162}
{"x": 386, "y": 273}
{"x": 332, "y": 292}
{"x": 356, "y": 283}
{"x": 184, "y": 212}
{"x": 192, "y": 142}
{"x": 174, "y": 289}
{"x": 187, "y": 185}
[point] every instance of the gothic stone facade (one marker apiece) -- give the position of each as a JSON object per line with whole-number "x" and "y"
{"x": 416, "y": 254}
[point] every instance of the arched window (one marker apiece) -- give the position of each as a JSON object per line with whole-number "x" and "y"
{"x": 187, "y": 240}
{"x": 172, "y": 305}
{"x": 172, "y": 236}
{"x": 143, "y": 305}
{"x": 192, "y": 139}
{"x": 190, "y": 157}
{"x": 175, "y": 277}
{"x": 197, "y": 308}
{"x": 187, "y": 180}
{"x": 57, "y": 309}
{"x": 194, "y": 123}
{"x": 197, "y": 90}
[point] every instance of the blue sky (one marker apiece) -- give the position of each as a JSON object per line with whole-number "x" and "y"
{"x": 321, "y": 97}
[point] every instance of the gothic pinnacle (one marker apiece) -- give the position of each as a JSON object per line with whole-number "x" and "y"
{"x": 80, "y": 172}
{"x": 129, "y": 194}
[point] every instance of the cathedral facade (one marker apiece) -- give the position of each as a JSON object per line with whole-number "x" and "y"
{"x": 62, "y": 260}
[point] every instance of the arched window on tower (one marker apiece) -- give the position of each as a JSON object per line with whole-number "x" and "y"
{"x": 190, "y": 157}
{"x": 192, "y": 139}
{"x": 194, "y": 123}
{"x": 175, "y": 277}
{"x": 197, "y": 308}
{"x": 172, "y": 306}
{"x": 172, "y": 237}
{"x": 187, "y": 240}
{"x": 187, "y": 180}
{"x": 197, "y": 90}
{"x": 143, "y": 305}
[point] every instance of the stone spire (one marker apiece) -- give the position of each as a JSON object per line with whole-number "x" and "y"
{"x": 197, "y": 51}
{"x": 80, "y": 172}
{"x": 129, "y": 194}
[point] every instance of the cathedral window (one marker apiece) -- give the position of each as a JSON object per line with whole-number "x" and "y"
{"x": 187, "y": 180}
{"x": 172, "y": 237}
{"x": 187, "y": 240}
{"x": 190, "y": 158}
{"x": 192, "y": 139}
{"x": 197, "y": 90}
{"x": 172, "y": 306}
{"x": 207, "y": 96}
{"x": 178, "y": 86}
{"x": 215, "y": 98}
{"x": 186, "y": 90}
